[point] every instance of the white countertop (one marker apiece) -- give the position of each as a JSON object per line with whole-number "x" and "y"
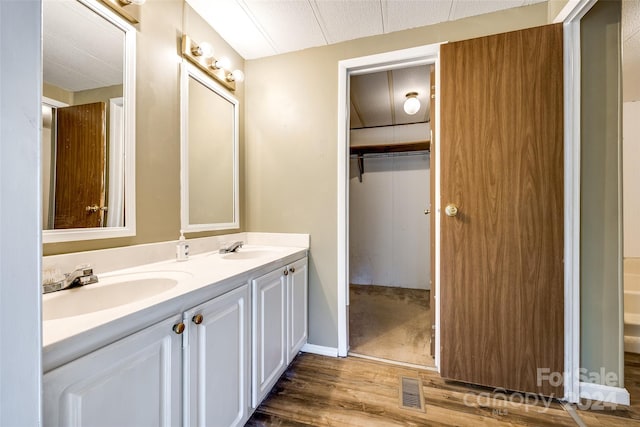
{"x": 202, "y": 277}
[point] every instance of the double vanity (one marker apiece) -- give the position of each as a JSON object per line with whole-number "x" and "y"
{"x": 168, "y": 343}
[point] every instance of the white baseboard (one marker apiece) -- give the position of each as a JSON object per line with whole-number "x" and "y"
{"x": 604, "y": 393}
{"x": 320, "y": 349}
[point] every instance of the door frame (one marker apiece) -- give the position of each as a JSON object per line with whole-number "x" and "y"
{"x": 429, "y": 54}
{"x": 422, "y": 55}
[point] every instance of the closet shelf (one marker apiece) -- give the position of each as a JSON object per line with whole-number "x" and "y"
{"x": 391, "y": 148}
{"x": 361, "y": 150}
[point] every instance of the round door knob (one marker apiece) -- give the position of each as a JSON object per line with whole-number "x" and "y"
{"x": 292, "y": 269}
{"x": 178, "y": 328}
{"x": 451, "y": 210}
{"x": 285, "y": 272}
{"x": 197, "y": 319}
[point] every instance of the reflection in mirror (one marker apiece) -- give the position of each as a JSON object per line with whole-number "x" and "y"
{"x": 88, "y": 122}
{"x": 209, "y": 153}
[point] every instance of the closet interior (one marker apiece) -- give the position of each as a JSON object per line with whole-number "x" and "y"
{"x": 390, "y": 315}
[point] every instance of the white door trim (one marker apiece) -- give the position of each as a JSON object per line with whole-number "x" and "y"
{"x": 385, "y": 61}
{"x": 571, "y": 16}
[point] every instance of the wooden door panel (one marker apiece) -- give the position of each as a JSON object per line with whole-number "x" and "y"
{"x": 502, "y": 165}
{"x": 80, "y": 165}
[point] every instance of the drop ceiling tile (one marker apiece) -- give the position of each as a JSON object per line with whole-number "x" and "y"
{"x": 71, "y": 59}
{"x": 403, "y": 14}
{"x": 630, "y": 18}
{"x": 234, "y": 25}
{"x": 354, "y": 118}
{"x": 290, "y": 24}
{"x": 370, "y": 96}
{"x": 347, "y": 20}
{"x": 464, "y": 8}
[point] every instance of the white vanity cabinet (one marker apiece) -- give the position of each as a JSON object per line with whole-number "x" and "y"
{"x": 136, "y": 381}
{"x": 217, "y": 364}
{"x": 279, "y": 324}
{"x": 297, "y": 307}
{"x": 191, "y": 369}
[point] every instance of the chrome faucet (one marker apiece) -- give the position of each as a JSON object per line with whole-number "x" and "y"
{"x": 82, "y": 275}
{"x": 231, "y": 247}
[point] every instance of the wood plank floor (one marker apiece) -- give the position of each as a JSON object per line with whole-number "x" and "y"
{"x": 326, "y": 391}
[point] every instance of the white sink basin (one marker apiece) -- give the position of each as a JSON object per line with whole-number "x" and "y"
{"x": 248, "y": 253}
{"x": 109, "y": 292}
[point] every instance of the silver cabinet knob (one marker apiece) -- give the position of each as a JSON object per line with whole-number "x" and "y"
{"x": 451, "y": 210}
{"x": 292, "y": 269}
{"x": 285, "y": 272}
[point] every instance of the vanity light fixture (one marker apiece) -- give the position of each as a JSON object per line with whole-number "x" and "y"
{"x": 203, "y": 49}
{"x": 412, "y": 103}
{"x": 201, "y": 54}
{"x": 128, "y": 9}
{"x": 221, "y": 63}
{"x": 236, "y": 76}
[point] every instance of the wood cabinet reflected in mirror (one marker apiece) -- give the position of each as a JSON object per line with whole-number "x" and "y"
{"x": 88, "y": 125}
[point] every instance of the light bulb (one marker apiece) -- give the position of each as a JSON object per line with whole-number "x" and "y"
{"x": 236, "y": 76}
{"x": 412, "y": 104}
{"x": 206, "y": 50}
{"x": 223, "y": 62}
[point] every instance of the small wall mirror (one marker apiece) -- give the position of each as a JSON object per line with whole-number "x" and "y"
{"x": 88, "y": 130}
{"x": 209, "y": 154}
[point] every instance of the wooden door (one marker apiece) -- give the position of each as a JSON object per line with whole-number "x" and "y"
{"x": 218, "y": 381}
{"x": 502, "y": 166}
{"x": 134, "y": 382}
{"x": 80, "y": 166}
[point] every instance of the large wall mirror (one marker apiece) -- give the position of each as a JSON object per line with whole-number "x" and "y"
{"x": 209, "y": 154}
{"x": 88, "y": 129}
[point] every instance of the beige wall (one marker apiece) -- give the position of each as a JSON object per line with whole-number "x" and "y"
{"x": 600, "y": 229}
{"x": 291, "y": 142}
{"x": 158, "y": 123}
{"x": 54, "y": 92}
{"x": 554, "y": 7}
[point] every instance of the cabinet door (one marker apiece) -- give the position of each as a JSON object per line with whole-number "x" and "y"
{"x": 297, "y": 304}
{"x": 269, "y": 332}
{"x": 217, "y": 373}
{"x": 135, "y": 382}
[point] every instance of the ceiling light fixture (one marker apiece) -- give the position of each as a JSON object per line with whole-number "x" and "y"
{"x": 201, "y": 54}
{"x": 412, "y": 103}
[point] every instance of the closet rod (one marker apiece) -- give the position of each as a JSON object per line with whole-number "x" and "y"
{"x": 396, "y": 154}
{"x": 361, "y": 156}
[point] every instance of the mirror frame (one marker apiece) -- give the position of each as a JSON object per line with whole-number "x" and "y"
{"x": 189, "y": 71}
{"x": 129, "y": 93}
